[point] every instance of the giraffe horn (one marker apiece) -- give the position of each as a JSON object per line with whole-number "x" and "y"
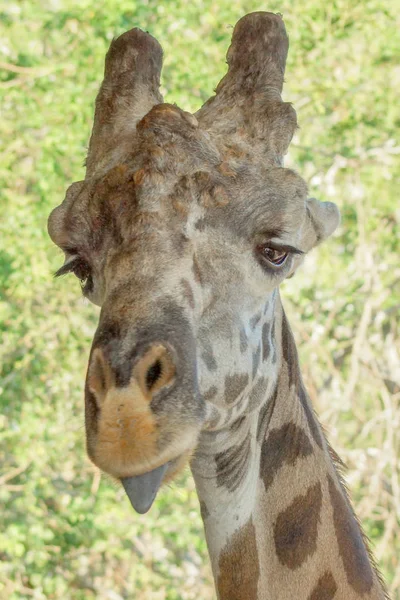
{"x": 129, "y": 90}
{"x": 248, "y": 99}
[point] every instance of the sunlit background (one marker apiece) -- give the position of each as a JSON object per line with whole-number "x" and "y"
{"x": 65, "y": 531}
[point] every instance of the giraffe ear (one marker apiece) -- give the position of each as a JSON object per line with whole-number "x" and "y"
{"x": 56, "y": 221}
{"x": 322, "y": 219}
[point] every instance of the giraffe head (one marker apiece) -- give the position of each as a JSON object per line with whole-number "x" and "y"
{"x": 182, "y": 230}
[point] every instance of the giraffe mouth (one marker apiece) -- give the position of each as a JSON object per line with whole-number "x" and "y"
{"x": 142, "y": 489}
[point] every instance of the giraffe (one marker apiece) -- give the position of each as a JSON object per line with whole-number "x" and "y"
{"x": 182, "y": 231}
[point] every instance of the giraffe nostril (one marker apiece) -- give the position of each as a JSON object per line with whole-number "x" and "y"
{"x": 153, "y": 374}
{"x": 155, "y": 370}
{"x": 99, "y": 376}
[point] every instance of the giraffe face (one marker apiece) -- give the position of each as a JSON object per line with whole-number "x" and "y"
{"x": 182, "y": 236}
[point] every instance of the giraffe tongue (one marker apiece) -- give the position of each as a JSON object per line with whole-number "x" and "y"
{"x": 142, "y": 489}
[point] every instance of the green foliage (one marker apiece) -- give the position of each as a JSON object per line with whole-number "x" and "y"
{"x": 63, "y": 532}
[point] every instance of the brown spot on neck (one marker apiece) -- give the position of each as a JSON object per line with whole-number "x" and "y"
{"x": 266, "y": 341}
{"x": 239, "y": 569}
{"x": 296, "y": 528}
{"x": 350, "y": 541}
{"x": 234, "y": 386}
{"x": 210, "y": 393}
{"x": 325, "y": 589}
{"x": 258, "y": 393}
{"x": 282, "y": 446}
{"x": 204, "y": 510}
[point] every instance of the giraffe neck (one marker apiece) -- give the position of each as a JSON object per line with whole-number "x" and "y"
{"x": 277, "y": 519}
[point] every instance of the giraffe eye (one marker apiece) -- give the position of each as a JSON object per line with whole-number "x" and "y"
{"x": 274, "y": 256}
{"x": 82, "y": 271}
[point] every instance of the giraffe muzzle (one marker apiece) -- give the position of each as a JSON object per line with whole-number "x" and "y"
{"x": 143, "y": 409}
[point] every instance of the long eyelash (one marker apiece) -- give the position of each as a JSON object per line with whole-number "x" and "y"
{"x": 69, "y": 267}
{"x": 286, "y": 248}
